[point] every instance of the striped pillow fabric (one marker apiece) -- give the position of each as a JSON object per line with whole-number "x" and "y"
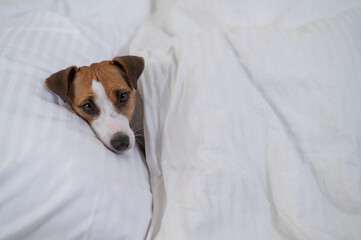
{"x": 57, "y": 180}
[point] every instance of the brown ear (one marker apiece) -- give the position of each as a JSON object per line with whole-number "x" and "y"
{"x": 59, "y": 82}
{"x": 131, "y": 66}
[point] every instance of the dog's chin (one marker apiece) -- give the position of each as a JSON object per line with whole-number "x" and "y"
{"x": 117, "y": 151}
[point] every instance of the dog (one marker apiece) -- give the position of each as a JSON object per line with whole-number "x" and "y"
{"x": 103, "y": 94}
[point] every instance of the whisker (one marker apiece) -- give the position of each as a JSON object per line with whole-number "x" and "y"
{"x": 136, "y": 129}
{"x": 136, "y": 125}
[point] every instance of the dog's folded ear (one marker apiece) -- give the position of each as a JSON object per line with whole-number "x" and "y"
{"x": 59, "y": 82}
{"x": 131, "y": 67}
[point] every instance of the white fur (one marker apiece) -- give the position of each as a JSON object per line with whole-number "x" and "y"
{"x": 109, "y": 120}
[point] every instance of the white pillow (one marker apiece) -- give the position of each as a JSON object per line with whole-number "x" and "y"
{"x": 57, "y": 180}
{"x": 254, "y": 133}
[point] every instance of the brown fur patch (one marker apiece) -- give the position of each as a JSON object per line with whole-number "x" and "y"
{"x": 111, "y": 78}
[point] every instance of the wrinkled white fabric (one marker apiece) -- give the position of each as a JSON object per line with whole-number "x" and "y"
{"x": 253, "y": 130}
{"x": 252, "y": 121}
{"x": 57, "y": 180}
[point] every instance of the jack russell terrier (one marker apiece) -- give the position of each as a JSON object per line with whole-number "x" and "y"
{"x": 103, "y": 94}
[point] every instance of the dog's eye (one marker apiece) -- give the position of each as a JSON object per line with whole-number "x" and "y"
{"x": 122, "y": 97}
{"x": 88, "y": 108}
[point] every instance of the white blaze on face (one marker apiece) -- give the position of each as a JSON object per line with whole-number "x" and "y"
{"x": 109, "y": 121}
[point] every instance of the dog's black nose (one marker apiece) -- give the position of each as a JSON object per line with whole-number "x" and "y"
{"x": 120, "y": 141}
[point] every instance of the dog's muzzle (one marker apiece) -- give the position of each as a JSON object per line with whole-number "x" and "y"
{"x": 120, "y": 141}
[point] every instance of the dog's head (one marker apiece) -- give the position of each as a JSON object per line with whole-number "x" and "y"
{"x": 103, "y": 95}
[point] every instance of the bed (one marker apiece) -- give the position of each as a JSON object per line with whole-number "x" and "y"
{"x": 250, "y": 111}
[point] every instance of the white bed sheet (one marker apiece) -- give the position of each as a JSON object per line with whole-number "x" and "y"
{"x": 57, "y": 180}
{"x": 252, "y": 119}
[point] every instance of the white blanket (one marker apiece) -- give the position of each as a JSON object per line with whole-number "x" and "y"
{"x": 252, "y": 119}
